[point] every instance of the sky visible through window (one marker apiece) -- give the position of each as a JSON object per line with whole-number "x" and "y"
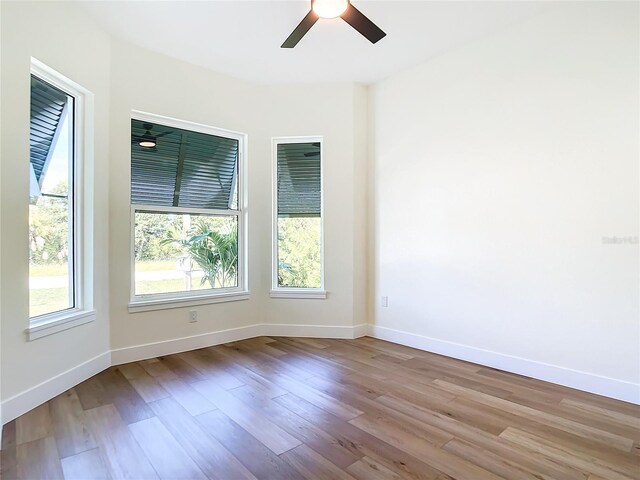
{"x": 58, "y": 169}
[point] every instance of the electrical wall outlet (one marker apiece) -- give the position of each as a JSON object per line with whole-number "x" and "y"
{"x": 193, "y": 316}
{"x": 385, "y": 301}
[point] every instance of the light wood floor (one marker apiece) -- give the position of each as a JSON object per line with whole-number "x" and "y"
{"x": 291, "y": 408}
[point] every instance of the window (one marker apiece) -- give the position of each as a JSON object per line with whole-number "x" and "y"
{"x": 187, "y": 216}
{"x": 57, "y": 275}
{"x": 298, "y": 244}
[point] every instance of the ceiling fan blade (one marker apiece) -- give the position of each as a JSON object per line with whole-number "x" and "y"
{"x": 300, "y": 31}
{"x": 362, "y": 24}
{"x": 158, "y": 135}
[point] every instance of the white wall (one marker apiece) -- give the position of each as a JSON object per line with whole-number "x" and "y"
{"x": 124, "y": 78}
{"x": 335, "y": 111}
{"x": 499, "y": 167}
{"x": 143, "y": 80}
{"x": 495, "y": 171}
{"x": 72, "y": 45}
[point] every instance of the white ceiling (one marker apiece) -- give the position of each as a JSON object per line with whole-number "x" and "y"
{"x": 243, "y": 38}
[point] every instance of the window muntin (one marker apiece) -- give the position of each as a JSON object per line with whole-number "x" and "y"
{"x": 52, "y": 219}
{"x": 298, "y": 246}
{"x": 187, "y": 224}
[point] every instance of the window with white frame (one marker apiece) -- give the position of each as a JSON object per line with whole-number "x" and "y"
{"x": 59, "y": 291}
{"x": 297, "y": 227}
{"x": 186, "y": 205}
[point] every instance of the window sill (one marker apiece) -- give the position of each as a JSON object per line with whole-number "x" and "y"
{"x": 147, "y": 305}
{"x": 299, "y": 293}
{"x": 59, "y": 322}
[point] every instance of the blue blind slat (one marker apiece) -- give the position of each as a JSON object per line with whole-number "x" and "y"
{"x": 47, "y": 106}
{"x": 205, "y": 178}
{"x": 299, "y": 179}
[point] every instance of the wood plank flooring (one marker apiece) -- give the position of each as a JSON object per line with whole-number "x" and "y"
{"x": 295, "y": 408}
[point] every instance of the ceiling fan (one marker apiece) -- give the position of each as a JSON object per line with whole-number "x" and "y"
{"x": 148, "y": 140}
{"x": 332, "y": 9}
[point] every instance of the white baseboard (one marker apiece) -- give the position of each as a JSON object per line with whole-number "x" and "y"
{"x": 315, "y": 331}
{"x": 361, "y": 330}
{"x": 21, "y": 403}
{"x": 167, "y": 347}
{"x": 588, "y": 382}
{"x": 151, "y": 350}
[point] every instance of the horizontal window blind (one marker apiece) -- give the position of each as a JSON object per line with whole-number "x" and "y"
{"x": 184, "y": 169}
{"x": 48, "y": 104}
{"x": 299, "y": 179}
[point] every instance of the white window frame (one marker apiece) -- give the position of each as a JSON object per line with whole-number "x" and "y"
{"x": 294, "y": 292}
{"x": 161, "y": 301}
{"x": 81, "y": 207}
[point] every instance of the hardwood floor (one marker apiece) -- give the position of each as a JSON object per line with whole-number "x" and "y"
{"x": 294, "y": 408}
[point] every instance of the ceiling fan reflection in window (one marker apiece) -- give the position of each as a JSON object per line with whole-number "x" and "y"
{"x": 314, "y": 153}
{"x": 148, "y": 139}
{"x": 333, "y": 9}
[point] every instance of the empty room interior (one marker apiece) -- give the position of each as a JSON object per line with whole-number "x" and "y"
{"x": 320, "y": 239}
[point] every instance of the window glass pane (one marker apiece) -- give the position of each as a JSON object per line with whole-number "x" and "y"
{"x": 299, "y": 223}
{"x": 177, "y": 252}
{"x": 173, "y": 167}
{"x": 299, "y": 252}
{"x": 51, "y": 201}
{"x": 299, "y": 179}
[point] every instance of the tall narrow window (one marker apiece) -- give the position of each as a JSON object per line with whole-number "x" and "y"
{"x": 298, "y": 246}
{"x": 52, "y": 219}
{"x": 186, "y": 197}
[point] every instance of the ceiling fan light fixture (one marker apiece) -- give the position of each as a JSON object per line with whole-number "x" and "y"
{"x": 330, "y": 8}
{"x": 147, "y": 140}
